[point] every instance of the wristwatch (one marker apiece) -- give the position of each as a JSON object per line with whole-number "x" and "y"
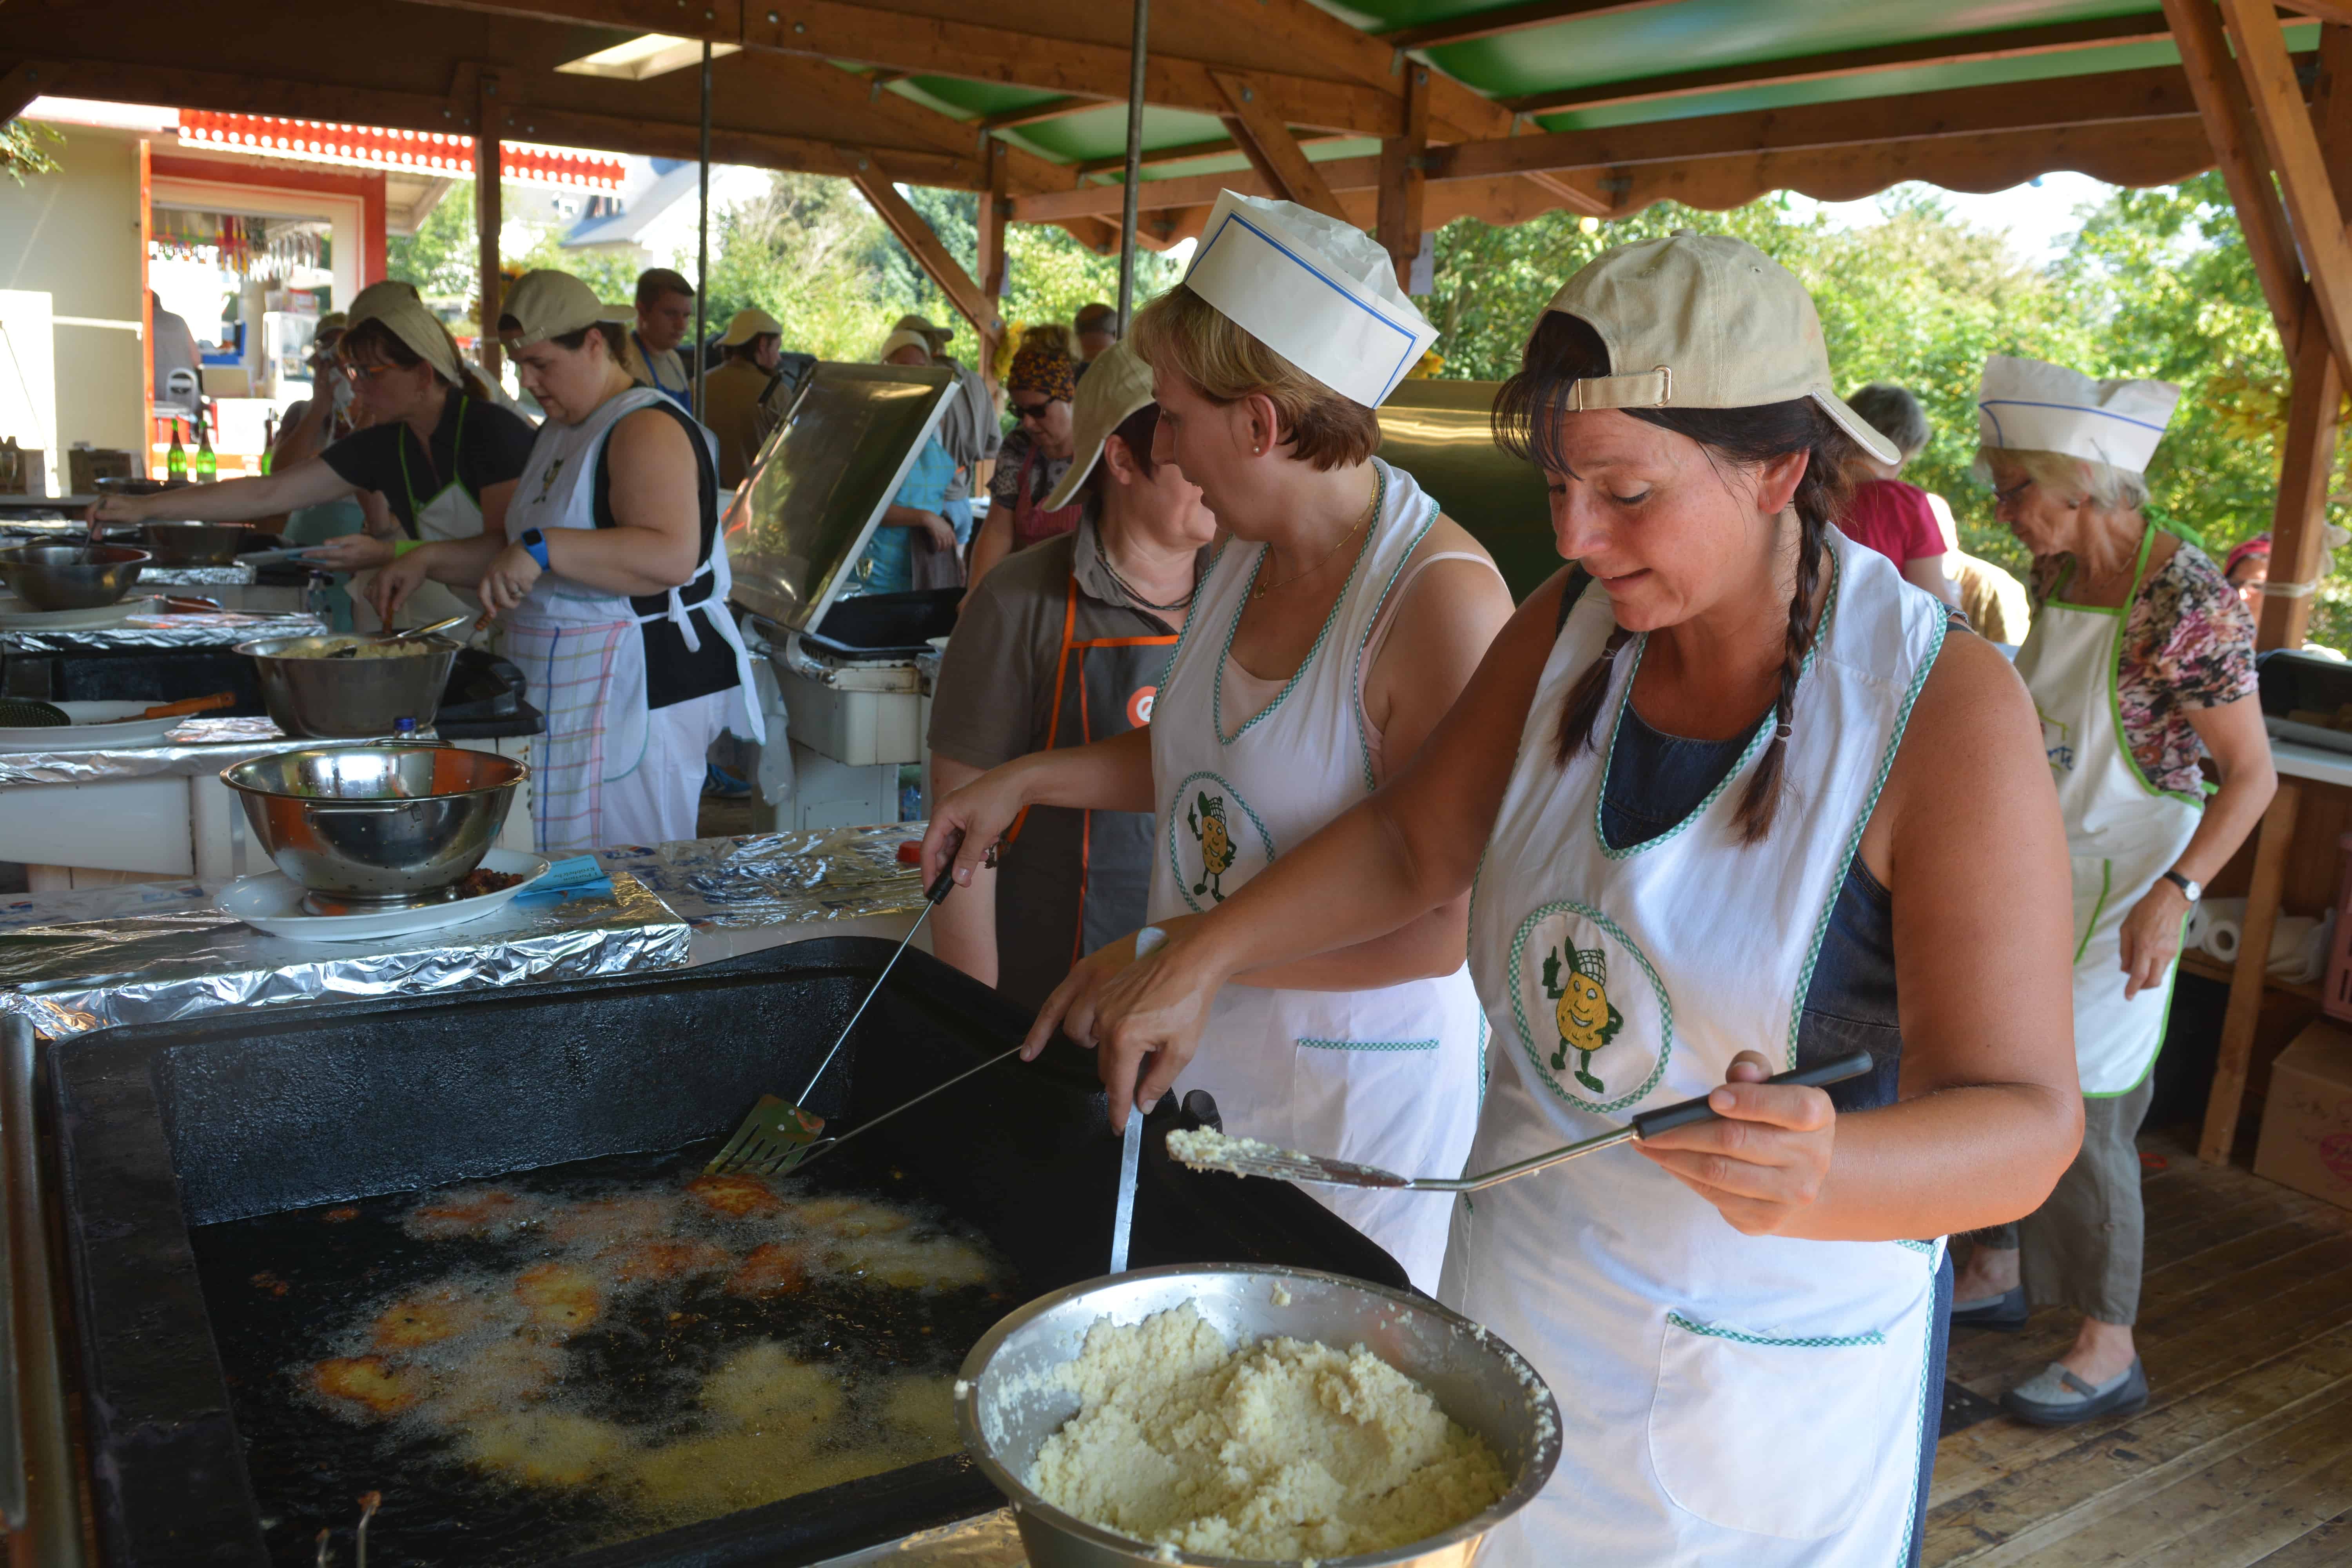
{"x": 2195, "y": 890}
{"x": 534, "y": 544}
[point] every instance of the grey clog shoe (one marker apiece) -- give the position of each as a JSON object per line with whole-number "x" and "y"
{"x": 2055, "y": 1397}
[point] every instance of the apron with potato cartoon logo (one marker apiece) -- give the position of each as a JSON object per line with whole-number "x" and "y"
{"x": 1216, "y": 842}
{"x": 1590, "y": 1013}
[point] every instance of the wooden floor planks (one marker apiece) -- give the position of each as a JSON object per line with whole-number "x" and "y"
{"x": 2244, "y": 1455}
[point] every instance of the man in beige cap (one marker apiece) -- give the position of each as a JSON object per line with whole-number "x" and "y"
{"x": 1064, "y": 644}
{"x": 754, "y": 347}
{"x": 665, "y": 315}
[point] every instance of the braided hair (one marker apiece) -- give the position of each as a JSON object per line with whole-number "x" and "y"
{"x": 1527, "y": 424}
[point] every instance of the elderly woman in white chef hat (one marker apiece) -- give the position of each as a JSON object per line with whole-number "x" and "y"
{"x": 1337, "y": 625}
{"x": 1736, "y": 799}
{"x": 2141, "y": 661}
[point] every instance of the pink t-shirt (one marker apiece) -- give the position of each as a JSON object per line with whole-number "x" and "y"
{"x": 1893, "y": 518}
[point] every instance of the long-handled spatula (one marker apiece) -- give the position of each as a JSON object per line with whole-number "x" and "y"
{"x": 1247, "y": 1157}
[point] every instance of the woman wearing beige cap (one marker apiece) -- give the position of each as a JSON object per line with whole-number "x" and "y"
{"x": 1736, "y": 801}
{"x": 1334, "y": 629}
{"x": 1064, "y": 645}
{"x": 439, "y": 449}
{"x": 612, "y": 583}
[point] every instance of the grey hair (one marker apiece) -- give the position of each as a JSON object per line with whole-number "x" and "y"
{"x": 2117, "y": 489}
{"x": 1894, "y": 413}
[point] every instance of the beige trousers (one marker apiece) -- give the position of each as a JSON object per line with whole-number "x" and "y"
{"x": 2083, "y": 1247}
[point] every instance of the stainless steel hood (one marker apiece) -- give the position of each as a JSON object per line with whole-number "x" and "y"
{"x": 822, "y": 481}
{"x": 1437, "y": 431}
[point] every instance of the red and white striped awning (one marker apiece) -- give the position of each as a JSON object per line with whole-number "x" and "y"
{"x": 428, "y": 152}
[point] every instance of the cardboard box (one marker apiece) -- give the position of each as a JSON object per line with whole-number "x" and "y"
{"x": 2307, "y": 1142}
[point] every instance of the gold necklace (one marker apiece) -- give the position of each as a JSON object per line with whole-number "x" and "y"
{"x": 1370, "y": 508}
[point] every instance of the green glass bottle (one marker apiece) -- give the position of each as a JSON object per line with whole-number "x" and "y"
{"x": 208, "y": 461}
{"x": 175, "y": 462}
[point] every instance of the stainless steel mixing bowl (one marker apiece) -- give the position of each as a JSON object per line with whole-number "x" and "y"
{"x": 1005, "y": 1413}
{"x": 192, "y": 543}
{"x": 348, "y": 699}
{"x": 377, "y": 823}
{"x": 71, "y": 576}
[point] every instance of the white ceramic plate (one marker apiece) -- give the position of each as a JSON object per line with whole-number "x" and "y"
{"x": 15, "y": 615}
{"x": 273, "y": 903}
{"x": 95, "y": 726}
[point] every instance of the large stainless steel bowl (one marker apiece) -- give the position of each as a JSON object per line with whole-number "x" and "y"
{"x": 1004, "y": 1412}
{"x": 71, "y": 576}
{"x": 348, "y": 699}
{"x": 377, "y": 823}
{"x": 192, "y": 543}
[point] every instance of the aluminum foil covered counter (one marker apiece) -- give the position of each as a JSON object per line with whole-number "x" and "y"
{"x": 225, "y": 629}
{"x": 830, "y": 874}
{"x": 152, "y": 952}
{"x": 198, "y": 746}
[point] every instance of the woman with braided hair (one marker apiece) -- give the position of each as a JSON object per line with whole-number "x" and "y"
{"x": 1735, "y": 799}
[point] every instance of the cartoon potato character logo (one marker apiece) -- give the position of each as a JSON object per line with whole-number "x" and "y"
{"x": 1207, "y": 821}
{"x": 1583, "y": 1012}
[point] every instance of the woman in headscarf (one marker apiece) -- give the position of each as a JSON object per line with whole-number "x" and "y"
{"x": 1340, "y": 620}
{"x": 2141, "y": 661}
{"x": 1039, "y": 387}
{"x": 1736, "y": 800}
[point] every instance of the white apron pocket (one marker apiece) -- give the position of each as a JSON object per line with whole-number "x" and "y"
{"x": 1776, "y": 1437}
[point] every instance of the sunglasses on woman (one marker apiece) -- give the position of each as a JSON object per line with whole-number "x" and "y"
{"x": 1034, "y": 410}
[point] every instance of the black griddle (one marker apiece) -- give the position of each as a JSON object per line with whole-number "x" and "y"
{"x": 162, "y": 1128}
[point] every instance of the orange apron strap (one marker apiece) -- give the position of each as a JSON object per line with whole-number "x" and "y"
{"x": 1061, "y": 679}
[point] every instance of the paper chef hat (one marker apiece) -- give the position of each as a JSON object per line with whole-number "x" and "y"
{"x": 2025, "y": 405}
{"x": 1318, "y": 292}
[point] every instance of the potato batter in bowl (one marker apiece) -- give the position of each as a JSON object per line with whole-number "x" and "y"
{"x": 1282, "y": 1450}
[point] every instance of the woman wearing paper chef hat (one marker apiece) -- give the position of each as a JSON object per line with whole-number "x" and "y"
{"x": 2140, "y": 658}
{"x": 1731, "y": 791}
{"x": 1335, "y": 628}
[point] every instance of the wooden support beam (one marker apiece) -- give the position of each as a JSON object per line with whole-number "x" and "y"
{"x": 2293, "y": 147}
{"x": 1996, "y": 44}
{"x": 938, "y": 265}
{"x": 1313, "y": 36}
{"x": 836, "y": 30}
{"x": 26, "y": 81}
{"x": 1584, "y": 203}
{"x": 1509, "y": 19}
{"x": 2337, "y": 11}
{"x": 1405, "y": 179}
{"x": 995, "y": 205}
{"x": 1268, "y": 145}
{"x": 2245, "y": 1010}
{"x": 490, "y": 211}
{"x": 2229, "y": 120}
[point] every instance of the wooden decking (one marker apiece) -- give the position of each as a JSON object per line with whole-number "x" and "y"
{"x": 2244, "y": 1455}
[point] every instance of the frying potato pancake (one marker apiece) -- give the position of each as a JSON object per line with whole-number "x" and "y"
{"x": 653, "y": 1260}
{"x": 770, "y": 1269}
{"x": 737, "y": 1196}
{"x": 547, "y": 1449}
{"x": 370, "y": 1383}
{"x": 558, "y": 1298}
{"x": 470, "y": 1211}
{"x": 426, "y": 1317}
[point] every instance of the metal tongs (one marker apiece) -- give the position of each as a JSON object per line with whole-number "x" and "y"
{"x": 1238, "y": 1156}
{"x": 411, "y": 635}
{"x": 779, "y": 1136}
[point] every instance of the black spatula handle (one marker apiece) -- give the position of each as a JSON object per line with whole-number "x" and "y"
{"x": 1650, "y": 1123}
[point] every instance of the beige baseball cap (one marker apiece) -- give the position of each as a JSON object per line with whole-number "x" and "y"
{"x": 750, "y": 322}
{"x": 405, "y": 316}
{"x": 548, "y": 304}
{"x": 939, "y": 335}
{"x": 1115, "y": 384}
{"x": 1704, "y": 321}
{"x": 905, "y": 338}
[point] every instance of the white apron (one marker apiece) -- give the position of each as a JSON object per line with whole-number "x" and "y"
{"x": 1746, "y": 1401}
{"x": 2122, "y": 832}
{"x": 1389, "y": 1076}
{"x": 451, "y": 514}
{"x": 584, "y": 654}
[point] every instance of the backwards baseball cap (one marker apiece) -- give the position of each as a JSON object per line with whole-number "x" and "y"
{"x": 403, "y": 315}
{"x": 750, "y": 322}
{"x": 2025, "y": 404}
{"x": 547, "y": 304}
{"x": 911, "y": 322}
{"x": 1115, "y": 385}
{"x": 1704, "y": 320}
{"x": 1316, "y": 290}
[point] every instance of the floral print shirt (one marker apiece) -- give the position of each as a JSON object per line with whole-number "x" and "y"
{"x": 2189, "y": 644}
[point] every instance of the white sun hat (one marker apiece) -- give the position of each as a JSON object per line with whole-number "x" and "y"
{"x": 1318, "y": 292}
{"x": 2025, "y": 405}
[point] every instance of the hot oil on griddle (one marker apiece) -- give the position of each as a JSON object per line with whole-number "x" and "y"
{"x": 665, "y": 1407}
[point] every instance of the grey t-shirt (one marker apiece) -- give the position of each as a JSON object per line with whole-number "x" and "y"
{"x": 968, "y": 429}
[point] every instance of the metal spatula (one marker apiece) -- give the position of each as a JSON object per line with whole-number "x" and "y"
{"x": 1247, "y": 1157}
{"x": 779, "y": 1134}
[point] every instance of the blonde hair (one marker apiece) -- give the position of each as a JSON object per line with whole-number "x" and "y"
{"x": 1183, "y": 333}
{"x": 2116, "y": 490}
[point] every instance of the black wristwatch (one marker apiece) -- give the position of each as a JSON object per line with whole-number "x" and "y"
{"x": 2195, "y": 890}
